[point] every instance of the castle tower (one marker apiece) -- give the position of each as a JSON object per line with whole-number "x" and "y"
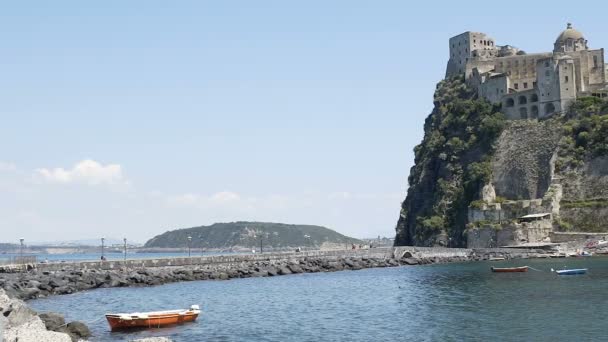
{"x": 570, "y": 40}
{"x": 464, "y": 47}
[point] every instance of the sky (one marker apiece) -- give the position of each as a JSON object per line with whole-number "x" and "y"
{"x": 130, "y": 118}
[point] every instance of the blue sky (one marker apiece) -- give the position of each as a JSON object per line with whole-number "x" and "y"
{"x": 130, "y": 118}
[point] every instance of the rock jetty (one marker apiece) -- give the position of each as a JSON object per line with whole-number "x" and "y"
{"x": 41, "y": 282}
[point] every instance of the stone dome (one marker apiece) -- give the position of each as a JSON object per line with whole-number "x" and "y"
{"x": 569, "y": 33}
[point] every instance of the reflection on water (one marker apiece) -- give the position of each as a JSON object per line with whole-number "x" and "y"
{"x": 417, "y": 303}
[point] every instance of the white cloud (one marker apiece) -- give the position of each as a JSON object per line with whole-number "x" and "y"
{"x": 84, "y": 172}
{"x": 5, "y": 166}
{"x": 225, "y": 196}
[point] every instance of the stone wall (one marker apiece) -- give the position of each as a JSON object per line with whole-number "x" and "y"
{"x": 562, "y": 237}
{"x": 383, "y": 252}
{"x": 509, "y": 234}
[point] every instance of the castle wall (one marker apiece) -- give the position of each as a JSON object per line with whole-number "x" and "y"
{"x": 521, "y": 105}
{"x": 521, "y": 68}
{"x": 494, "y": 88}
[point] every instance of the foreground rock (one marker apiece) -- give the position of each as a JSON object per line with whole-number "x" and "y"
{"x": 18, "y": 323}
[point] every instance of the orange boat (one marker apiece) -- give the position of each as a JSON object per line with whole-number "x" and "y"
{"x": 154, "y": 319}
{"x": 510, "y": 269}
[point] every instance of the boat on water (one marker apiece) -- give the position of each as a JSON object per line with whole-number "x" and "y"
{"x": 509, "y": 269}
{"x": 559, "y": 255}
{"x": 153, "y": 319}
{"x": 571, "y": 271}
{"x": 496, "y": 258}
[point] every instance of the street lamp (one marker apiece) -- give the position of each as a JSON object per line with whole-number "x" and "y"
{"x": 21, "y": 250}
{"x": 102, "y": 242}
{"x": 307, "y": 237}
{"x": 189, "y": 240}
{"x": 125, "y": 241}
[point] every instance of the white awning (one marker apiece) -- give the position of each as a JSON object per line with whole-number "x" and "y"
{"x": 535, "y": 215}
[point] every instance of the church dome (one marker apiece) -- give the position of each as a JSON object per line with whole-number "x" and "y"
{"x": 569, "y": 33}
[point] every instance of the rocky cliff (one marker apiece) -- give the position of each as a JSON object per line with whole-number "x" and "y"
{"x": 472, "y": 159}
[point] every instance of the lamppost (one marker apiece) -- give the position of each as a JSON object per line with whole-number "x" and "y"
{"x": 307, "y": 237}
{"x": 261, "y": 245}
{"x": 125, "y": 241}
{"x": 189, "y": 240}
{"x": 102, "y": 242}
{"x": 21, "y": 250}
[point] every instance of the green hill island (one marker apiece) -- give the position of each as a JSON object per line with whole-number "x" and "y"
{"x": 235, "y": 235}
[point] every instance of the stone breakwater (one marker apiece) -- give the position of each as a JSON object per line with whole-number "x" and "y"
{"x": 35, "y": 281}
{"x": 57, "y": 279}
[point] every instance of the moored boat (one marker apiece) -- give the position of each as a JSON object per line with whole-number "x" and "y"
{"x": 154, "y": 319}
{"x": 496, "y": 258}
{"x": 509, "y": 269}
{"x": 572, "y": 271}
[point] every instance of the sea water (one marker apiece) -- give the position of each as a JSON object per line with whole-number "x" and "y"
{"x": 444, "y": 302}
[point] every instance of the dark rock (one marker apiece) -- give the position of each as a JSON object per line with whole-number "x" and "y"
{"x": 410, "y": 261}
{"x": 284, "y": 270}
{"x": 349, "y": 263}
{"x": 295, "y": 268}
{"x": 78, "y": 331}
{"x": 63, "y": 290}
{"x": 53, "y": 321}
{"x": 30, "y": 293}
{"x": 57, "y": 283}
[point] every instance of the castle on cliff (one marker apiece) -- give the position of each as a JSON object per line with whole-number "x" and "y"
{"x": 529, "y": 86}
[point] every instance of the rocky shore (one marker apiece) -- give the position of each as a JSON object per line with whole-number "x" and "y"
{"x": 19, "y": 323}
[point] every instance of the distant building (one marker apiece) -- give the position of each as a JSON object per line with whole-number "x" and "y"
{"x": 529, "y": 86}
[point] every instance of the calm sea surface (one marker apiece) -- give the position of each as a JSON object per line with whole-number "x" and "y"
{"x": 450, "y": 302}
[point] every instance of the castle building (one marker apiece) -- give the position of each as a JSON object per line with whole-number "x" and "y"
{"x": 529, "y": 86}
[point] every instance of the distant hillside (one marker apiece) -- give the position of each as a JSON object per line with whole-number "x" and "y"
{"x": 248, "y": 234}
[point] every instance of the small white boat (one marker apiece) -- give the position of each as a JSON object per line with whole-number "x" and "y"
{"x": 571, "y": 271}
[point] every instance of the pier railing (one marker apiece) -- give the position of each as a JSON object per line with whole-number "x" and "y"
{"x": 18, "y": 260}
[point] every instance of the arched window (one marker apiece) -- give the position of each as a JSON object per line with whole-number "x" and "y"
{"x": 523, "y": 113}
{"x": 534, "y": 112}
{"x": 510, "y": 102}
{"x": 534, "y": 98}
{"x": 549, "y": 108}
{"x": 522, "y": 100}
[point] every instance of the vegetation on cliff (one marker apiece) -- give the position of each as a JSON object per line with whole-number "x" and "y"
{"x": 582, "y": 166}
{"x": 585, "y": 131}
{"x": 451, "y": 165}
{"x": 249, "y": 234}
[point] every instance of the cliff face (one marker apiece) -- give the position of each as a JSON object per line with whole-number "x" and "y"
{"x": 471, "y": 157}
{"x": 451, "y": 165}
